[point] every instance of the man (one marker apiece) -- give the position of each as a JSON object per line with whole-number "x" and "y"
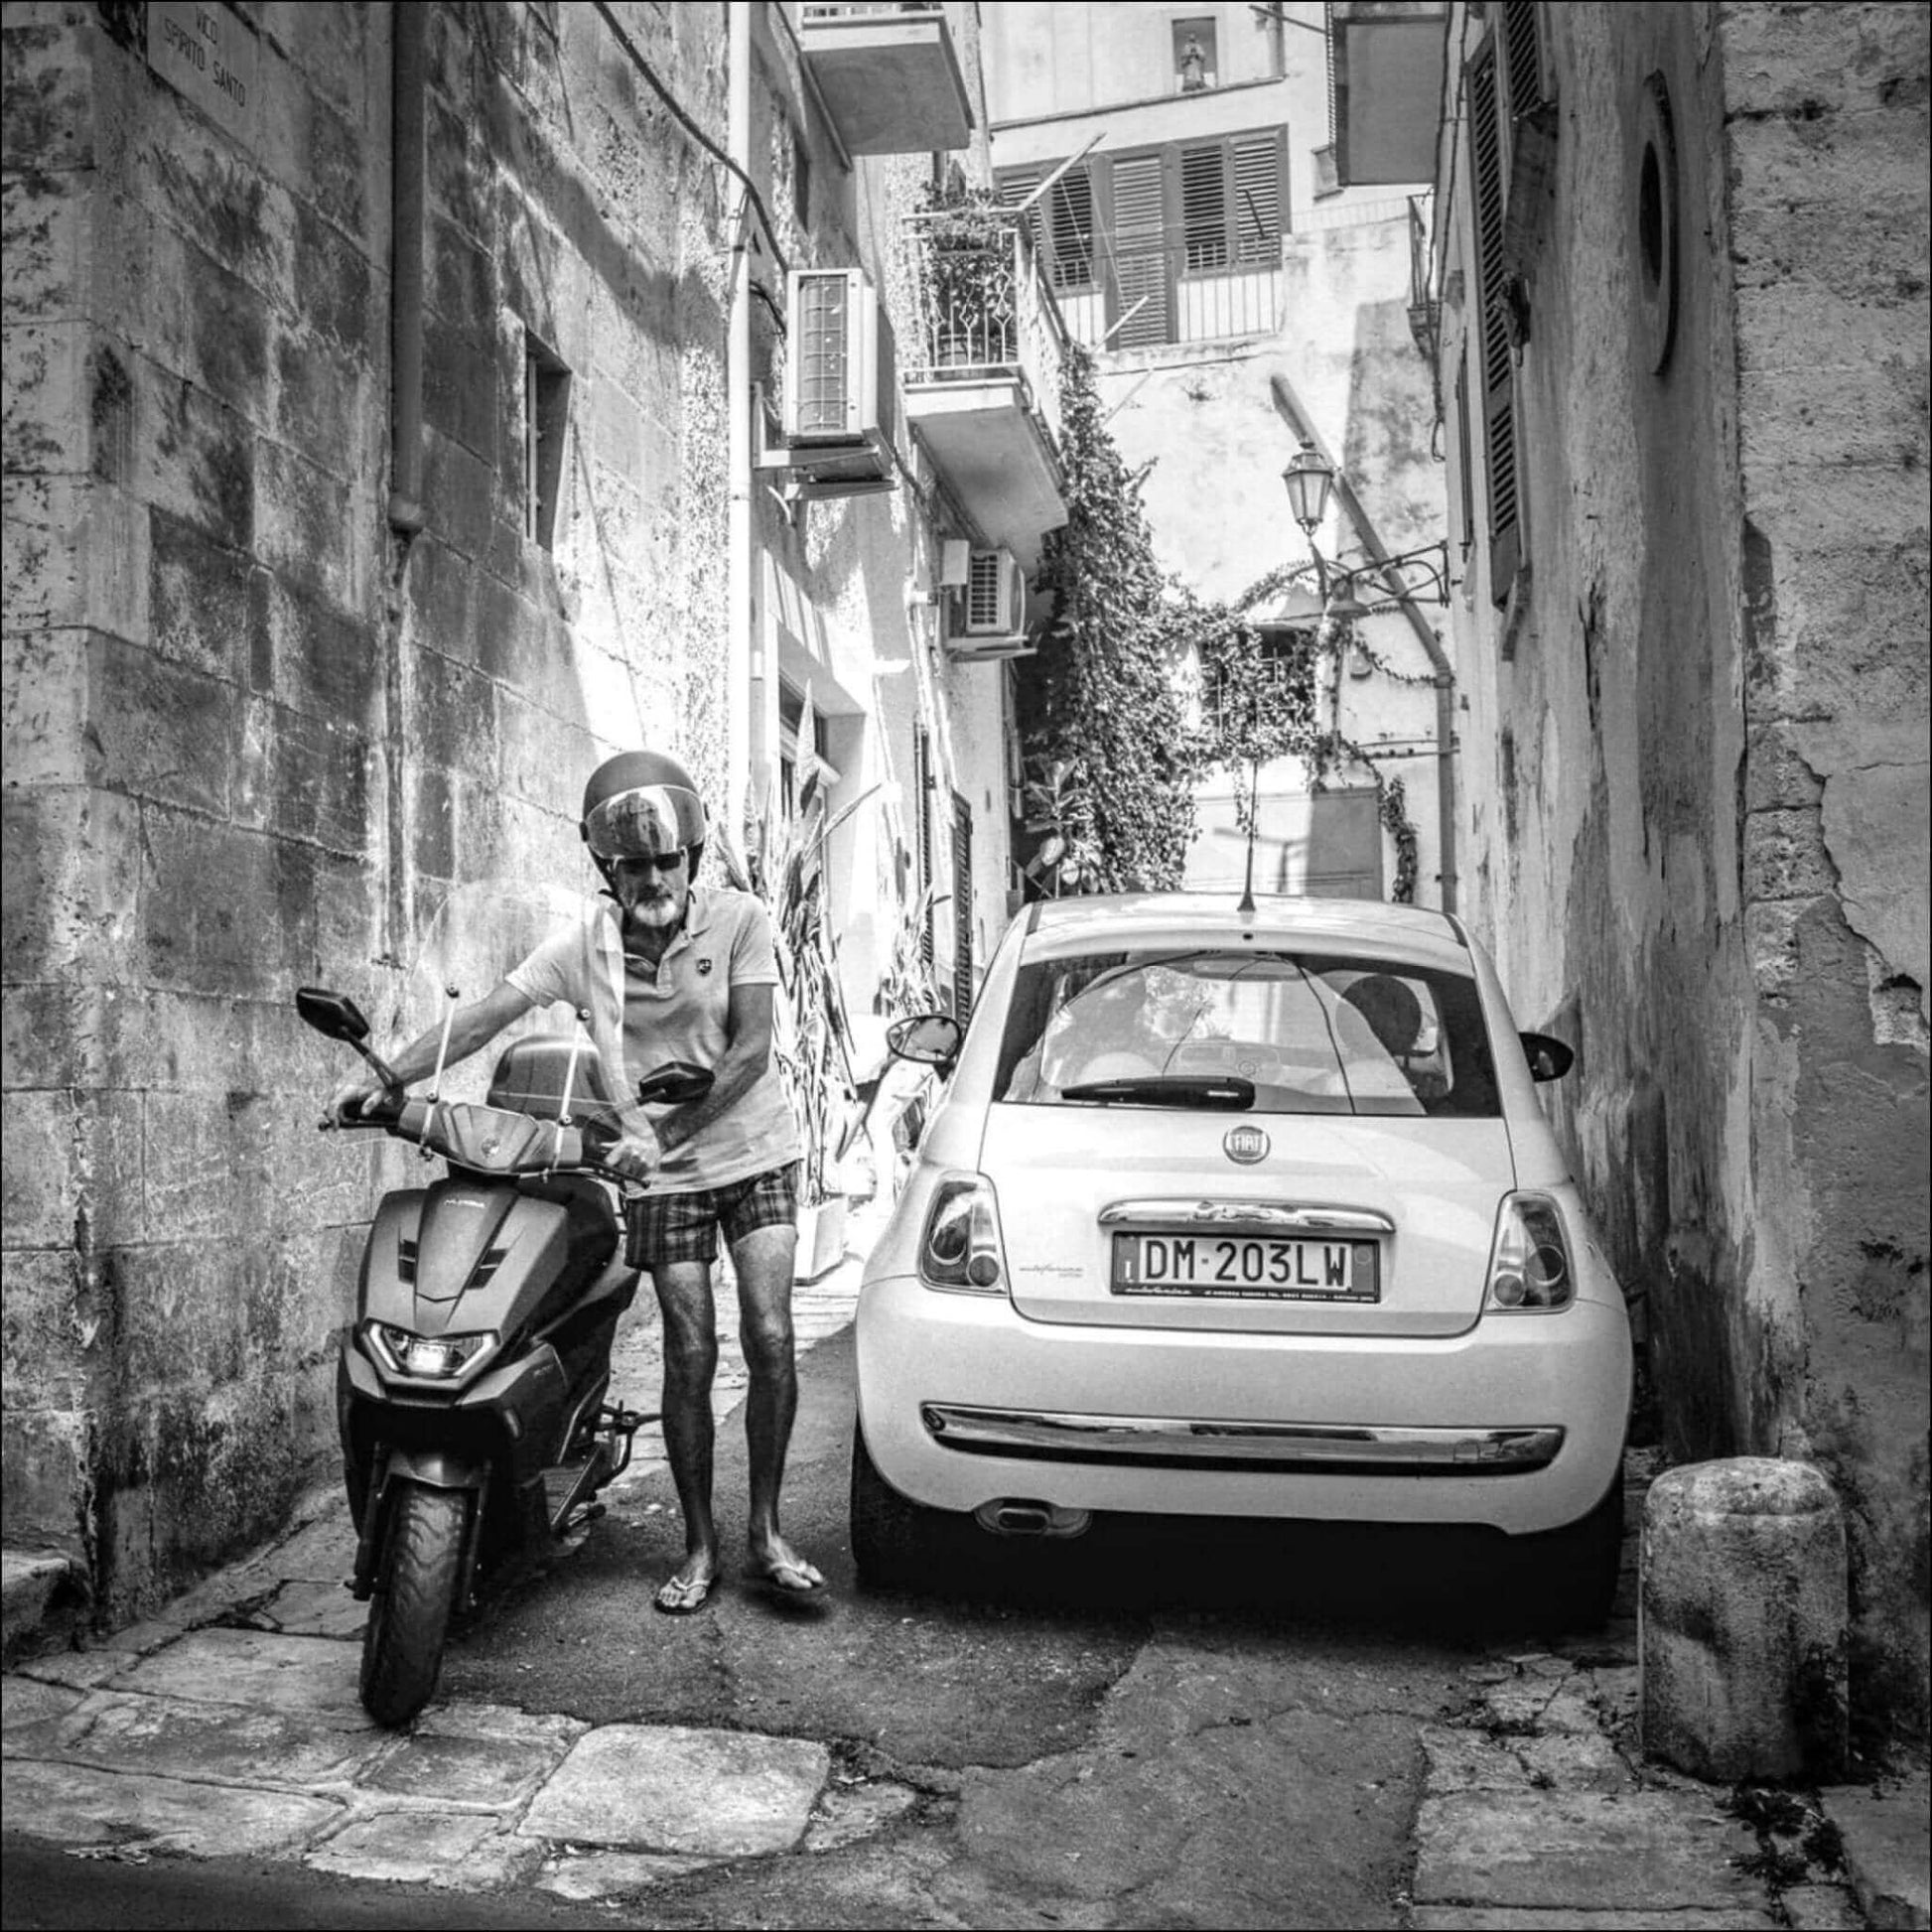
{"x": 669, "y": 972}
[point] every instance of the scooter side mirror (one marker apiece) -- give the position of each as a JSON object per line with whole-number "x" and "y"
{"x": 675, "y": 1083}
{"x": 334, "y": 1014}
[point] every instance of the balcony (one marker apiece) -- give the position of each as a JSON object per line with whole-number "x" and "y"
{"x": 887, "y": 77}
{"x": 1136, "y": 294}
{"x": 1385, "y": 87}
{"x": 982, "y": 374}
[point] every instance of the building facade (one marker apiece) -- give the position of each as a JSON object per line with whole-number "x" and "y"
{"x": 405, "y": 407}
{"x": 1241, "y": 302}
{"x": 1680, "y": 261}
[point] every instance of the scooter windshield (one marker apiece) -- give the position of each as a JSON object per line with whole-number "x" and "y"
{"x": 469, "y": 941}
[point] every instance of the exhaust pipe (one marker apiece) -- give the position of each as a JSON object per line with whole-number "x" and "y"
{"x": 1027, "y": 1516}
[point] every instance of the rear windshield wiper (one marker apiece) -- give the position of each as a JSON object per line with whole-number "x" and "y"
{"x": 1229, "y": 1090}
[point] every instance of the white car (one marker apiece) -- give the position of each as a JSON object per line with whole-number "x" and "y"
{"x": 1246, "y": 1213}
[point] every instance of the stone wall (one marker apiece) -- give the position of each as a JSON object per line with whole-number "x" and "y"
{"x": 1696, "y": 750}
{"x": 252, "y": 735}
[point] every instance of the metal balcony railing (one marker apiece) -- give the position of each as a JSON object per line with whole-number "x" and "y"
{"x": 813, "y": 10}
{"x": 983, "y": 309}
{"x": 1137, "y": 296}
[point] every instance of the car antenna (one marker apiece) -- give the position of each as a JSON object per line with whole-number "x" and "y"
{"x": 1247, "y": 906}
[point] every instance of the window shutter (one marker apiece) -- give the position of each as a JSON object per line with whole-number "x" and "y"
{"x": 1521, "y": 56}
{"x": 962, "y": 908}
{"x": 1070, "y": 223}
{"x": 1258, "y": 198}
{"x": 1204, "y": 206}
{"x": 1498, "y": 391}
{"x": 1139, "y": 250}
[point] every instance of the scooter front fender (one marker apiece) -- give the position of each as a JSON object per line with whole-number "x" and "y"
{"x": 434, "y": 1467}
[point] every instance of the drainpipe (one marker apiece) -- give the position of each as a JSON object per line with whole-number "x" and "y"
{"x": 408, "y": 66}
{"x": 741, "y": 685}
{"x": 1303, "y": 424}
{"x": 409, "y": 26}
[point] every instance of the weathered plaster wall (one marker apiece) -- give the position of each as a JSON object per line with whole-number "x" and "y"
{"x": 1203, "y": 416}
{"x": 1696, "y": 741}
{"x": 1826, "y": 147}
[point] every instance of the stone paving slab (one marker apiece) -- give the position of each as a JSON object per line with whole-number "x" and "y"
{"x": 590, "y": 1876}
{"x": 303, "y": 1610}
{"x": 1473, "y": 1760}
{"x": 1883, "y": 1828}
{"x": 77, "y": 1805}
{"x": 314, "y": 1675}
{"x": 33, "y": 1716}
{"x": 215, "y": 1742}
{"x": 666, "y": 1788}
{"x": 1821, "y": 1908}
{"x": 1554, "y": 1851}
{"x": 81, "y": 1670}
{"x": 1488, "y": 1918}
{"x": 456, "y": 1850}
{"x": 497, "y": 1772}
{"x": 848, "y": 1813}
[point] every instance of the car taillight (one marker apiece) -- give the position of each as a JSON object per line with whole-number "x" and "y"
{"x": 961, "y": 1246}
{"x": 1529, "y": 1269}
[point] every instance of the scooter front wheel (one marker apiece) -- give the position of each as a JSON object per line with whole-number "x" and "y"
{"x": 415, "y": 1592}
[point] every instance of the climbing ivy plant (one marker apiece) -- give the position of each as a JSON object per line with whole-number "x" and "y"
{"x": 1111, "y": 756}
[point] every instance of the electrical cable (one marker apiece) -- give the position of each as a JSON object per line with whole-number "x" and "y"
{"x": 691, "y": 127}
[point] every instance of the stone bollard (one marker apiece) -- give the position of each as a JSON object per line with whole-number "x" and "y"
{"x": 1741, "y": 1621}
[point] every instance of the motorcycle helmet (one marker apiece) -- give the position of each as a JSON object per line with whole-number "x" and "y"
{"x": 641, "y": 805}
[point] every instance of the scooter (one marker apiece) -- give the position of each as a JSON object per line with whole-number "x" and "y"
{"x": 472, "y": 1389}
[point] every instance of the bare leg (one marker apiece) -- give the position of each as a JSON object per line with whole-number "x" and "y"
{"x": 690, "y": 1362}
{"x": 763, "y": 1261}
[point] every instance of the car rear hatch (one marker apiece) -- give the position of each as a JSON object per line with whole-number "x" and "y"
{"x": 1182, "y": 1219}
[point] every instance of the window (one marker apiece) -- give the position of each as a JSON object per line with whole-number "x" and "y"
{"x": 546, "y": 420}
{"x": 1145, "y": 231}
{"x": 1195, "y": 61}
{"x": 1316, "y": 1033}
{"x": 804, "y": 750}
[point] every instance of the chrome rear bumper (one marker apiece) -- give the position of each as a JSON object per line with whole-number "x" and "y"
{"x": 1176, "y": 1443}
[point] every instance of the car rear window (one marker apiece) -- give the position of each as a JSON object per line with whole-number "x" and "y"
{"x": 1313, "y": 1032}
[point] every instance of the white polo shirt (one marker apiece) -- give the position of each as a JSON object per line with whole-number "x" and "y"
{"x": 642, "y": 1017}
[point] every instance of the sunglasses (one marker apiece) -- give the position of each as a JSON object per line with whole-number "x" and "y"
{"x": 657, "y": 861}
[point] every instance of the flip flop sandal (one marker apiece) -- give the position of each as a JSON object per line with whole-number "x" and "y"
{"x": 780, "y": 1577}
{"x": 683, "y": 1595}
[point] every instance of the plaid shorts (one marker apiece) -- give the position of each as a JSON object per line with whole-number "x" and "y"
{"x": 684, "y": 1227}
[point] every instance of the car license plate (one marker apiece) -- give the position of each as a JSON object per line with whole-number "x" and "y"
{"x": 1246, "y": 1267}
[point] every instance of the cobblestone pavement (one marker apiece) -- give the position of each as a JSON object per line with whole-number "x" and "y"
{"x": 228, "y": 1726}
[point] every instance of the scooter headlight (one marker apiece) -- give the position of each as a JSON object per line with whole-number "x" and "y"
{"x": 429, "y": 1358}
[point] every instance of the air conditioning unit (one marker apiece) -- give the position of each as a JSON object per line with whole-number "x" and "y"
{"x": 987, "y": 618}
{"x": 834, "y": 391}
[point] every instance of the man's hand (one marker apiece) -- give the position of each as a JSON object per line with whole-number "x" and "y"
{"x": 634, "y": 1156}
{"x": 352, "y": 1098}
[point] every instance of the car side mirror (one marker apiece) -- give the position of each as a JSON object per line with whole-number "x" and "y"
{"x": 334, "y": 1014}
{"x": 931, "y": 1038}
{"x": 1548, "y": 1059}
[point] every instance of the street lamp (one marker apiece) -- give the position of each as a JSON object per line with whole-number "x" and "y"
{"x": 1309, "y": 480}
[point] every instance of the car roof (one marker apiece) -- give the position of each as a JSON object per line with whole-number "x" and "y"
{"x": 1113, "y": 921}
